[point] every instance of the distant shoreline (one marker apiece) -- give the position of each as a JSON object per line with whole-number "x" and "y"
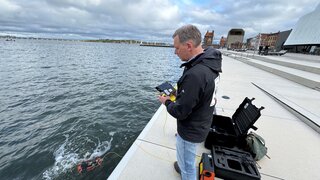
{"x": 114, "y": 41}
{"x": 125, "y": 41}
{"x": 157, "y": 45}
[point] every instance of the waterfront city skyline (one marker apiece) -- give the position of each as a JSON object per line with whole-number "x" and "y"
{"x": 146, "y": 20}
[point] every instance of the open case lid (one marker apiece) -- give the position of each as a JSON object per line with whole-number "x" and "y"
{"x": 245, "y": 116}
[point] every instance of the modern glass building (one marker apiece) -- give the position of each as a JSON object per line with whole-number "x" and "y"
{"x": 305, "y": 36}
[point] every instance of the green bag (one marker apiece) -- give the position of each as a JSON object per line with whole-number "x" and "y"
{"x": 256, "y": 146}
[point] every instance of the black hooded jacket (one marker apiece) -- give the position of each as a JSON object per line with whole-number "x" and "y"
{"x": 195, "y": 102}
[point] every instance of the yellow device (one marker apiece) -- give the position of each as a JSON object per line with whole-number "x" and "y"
{"x": 172, "y": 97}
{"x": 167, "y": 90}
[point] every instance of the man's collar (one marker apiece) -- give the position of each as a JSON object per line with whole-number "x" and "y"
{"x": 191, "y": 61}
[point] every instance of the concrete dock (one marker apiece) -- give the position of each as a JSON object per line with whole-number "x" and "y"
{"x": 289, "y": 123}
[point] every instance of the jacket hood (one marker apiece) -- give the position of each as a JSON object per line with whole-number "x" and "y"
{"x": 210, "y": 57}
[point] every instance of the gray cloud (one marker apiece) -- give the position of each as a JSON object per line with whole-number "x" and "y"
{"x": 147, "y": 19}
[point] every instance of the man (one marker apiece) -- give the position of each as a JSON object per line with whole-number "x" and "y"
{"x": 195, "y": 99}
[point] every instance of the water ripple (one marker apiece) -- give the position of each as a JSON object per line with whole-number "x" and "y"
{"x": 65, "y": 102}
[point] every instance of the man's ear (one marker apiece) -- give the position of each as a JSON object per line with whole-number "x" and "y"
{"x": 189, "y": 45}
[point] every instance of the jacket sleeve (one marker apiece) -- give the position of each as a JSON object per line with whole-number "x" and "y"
{"x": 187, "y": 98}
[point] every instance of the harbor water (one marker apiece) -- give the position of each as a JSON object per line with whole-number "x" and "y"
{"x": 64, "y": 102}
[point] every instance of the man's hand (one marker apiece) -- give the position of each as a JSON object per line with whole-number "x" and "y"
{"x": 163, "y": 99}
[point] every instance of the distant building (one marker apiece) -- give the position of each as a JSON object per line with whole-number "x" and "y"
{"x": 283, "y": 36}
{"x": 208, "y": 39}
{"x": 305, "y": 36}
{"x": 235, "y": 38}
{"x": 262, "y": 39}
{"x": 251, "y": 43}
{"x": 274, "y": 41}
{"x": 271, "y": 40}
{"x": 223, "y": 41}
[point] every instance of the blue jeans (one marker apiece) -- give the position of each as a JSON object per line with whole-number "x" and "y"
{"x": 186, "y": 156}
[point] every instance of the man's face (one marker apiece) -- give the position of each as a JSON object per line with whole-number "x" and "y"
{"x": 181, "y": 49}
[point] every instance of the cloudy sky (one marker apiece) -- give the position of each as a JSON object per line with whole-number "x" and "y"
{"x": 148, "y": 20}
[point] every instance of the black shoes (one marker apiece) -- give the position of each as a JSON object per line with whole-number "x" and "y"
{"x": 176, "y": 167}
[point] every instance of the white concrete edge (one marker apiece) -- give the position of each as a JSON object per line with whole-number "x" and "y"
{"x": 303, "y": 80}
{"x": 151, "y": 122}
{"x": 311, "y": 119}
{"x": 124, "y": 161}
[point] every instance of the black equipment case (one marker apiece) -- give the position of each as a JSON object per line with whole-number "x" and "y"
{"x": 230, "y": 132}
{"x": 234, "y": 164}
